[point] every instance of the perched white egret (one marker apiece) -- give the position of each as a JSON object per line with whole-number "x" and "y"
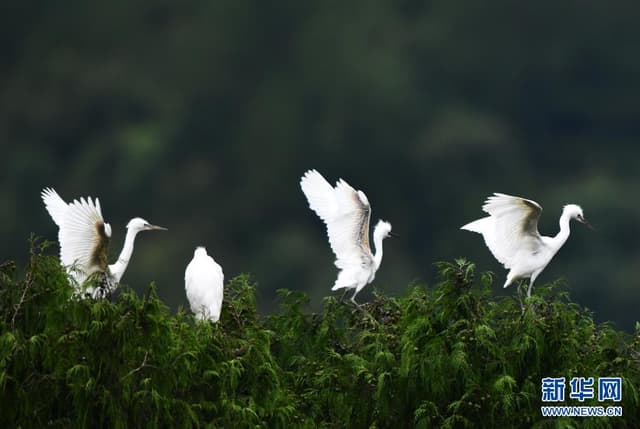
{"x": 204, "y": 283}
{"x": 511, "y": 233}
{"x": 84, "y": 237}
{"x": 347, "y": 212}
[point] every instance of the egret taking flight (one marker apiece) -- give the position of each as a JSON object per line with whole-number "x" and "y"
{"x": 204, "y": 283}
{"x": 346, "y": 212}
{"x": 511, "y": 233}
{"x": 84, "y": 237}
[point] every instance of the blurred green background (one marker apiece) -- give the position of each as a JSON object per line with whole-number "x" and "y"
{"x": 201, "y": 116}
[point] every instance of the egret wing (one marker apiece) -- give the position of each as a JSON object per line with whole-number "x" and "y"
{"x": 346, "y": 213}
{"x": 82, "y": 236}
{"x": 349, "y": 231}
{"x": 320, "y": 195}
{"x": 55, "y": 205}
{"x": 514, "y": 226}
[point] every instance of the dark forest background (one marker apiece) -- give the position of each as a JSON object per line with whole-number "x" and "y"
{"x": 201, "y": 116}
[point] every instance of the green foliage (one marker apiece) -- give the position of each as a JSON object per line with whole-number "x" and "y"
{"x": 452, "y": 356}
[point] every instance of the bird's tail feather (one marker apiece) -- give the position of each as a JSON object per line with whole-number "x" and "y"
{"x": 346, "y": 279}
{"x": 478, "y": 226}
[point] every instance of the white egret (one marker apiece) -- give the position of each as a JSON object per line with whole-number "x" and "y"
{"x": 511, "y": 233}
{"x": 346, "y": 213}
{"x": 84, "y": 237}
{"x": 204, "y": 283}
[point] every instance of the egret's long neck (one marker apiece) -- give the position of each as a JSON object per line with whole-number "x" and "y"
{"x": 117, "y": 269}
{"x": 377, "y": 256}
{"x": 562, "y": 236}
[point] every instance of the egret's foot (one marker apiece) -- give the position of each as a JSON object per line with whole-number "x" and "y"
{"x": 365, "y": 313}
{"x": 356, "y": 305}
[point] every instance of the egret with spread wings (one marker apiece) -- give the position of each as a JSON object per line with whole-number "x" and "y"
{"x": 346, "y": 213}
{"x": 511, "y": 233}
{"x": 84, "y": 237}
{"x": 204, "y": 284}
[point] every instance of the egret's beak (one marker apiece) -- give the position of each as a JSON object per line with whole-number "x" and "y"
{"x": 155, "y": 227}
{"x": 391, "y": 234}
{"x": 587, "y": 224}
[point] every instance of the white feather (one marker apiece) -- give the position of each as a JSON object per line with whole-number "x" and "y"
{"x": 79, "y": 235}
{"x": 346, "y": 214}
{"x": 78, "y": 232}
{"x": 511, "y": 228}
{"x": 511, "y": 234}
{"x": 204, "y": 284}
{"x": 55, "y": 205}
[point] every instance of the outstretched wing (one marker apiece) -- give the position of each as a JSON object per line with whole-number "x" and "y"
{"x": 512, "y": 226}
{"x": 54, "y": 204}
{"x": 83, "y": 238}
{"x": 346, "y": 213}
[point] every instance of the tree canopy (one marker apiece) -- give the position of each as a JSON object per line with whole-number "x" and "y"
{"x": 450, "y": 355}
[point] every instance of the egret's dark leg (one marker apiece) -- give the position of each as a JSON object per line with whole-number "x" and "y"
{"x": 353, "y": 299}
{"x": 519, "y": 289}
{"x": 364, "y": 312}
{"x": 533, "y": 278}
{"x": 341, "y": 300}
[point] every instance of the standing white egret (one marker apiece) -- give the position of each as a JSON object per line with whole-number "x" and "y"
{"x": 84, "y": 237}
{"x": 204, "y": 283}
{"x": 511, "y": 233}
{"x": 346, "y": 212}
